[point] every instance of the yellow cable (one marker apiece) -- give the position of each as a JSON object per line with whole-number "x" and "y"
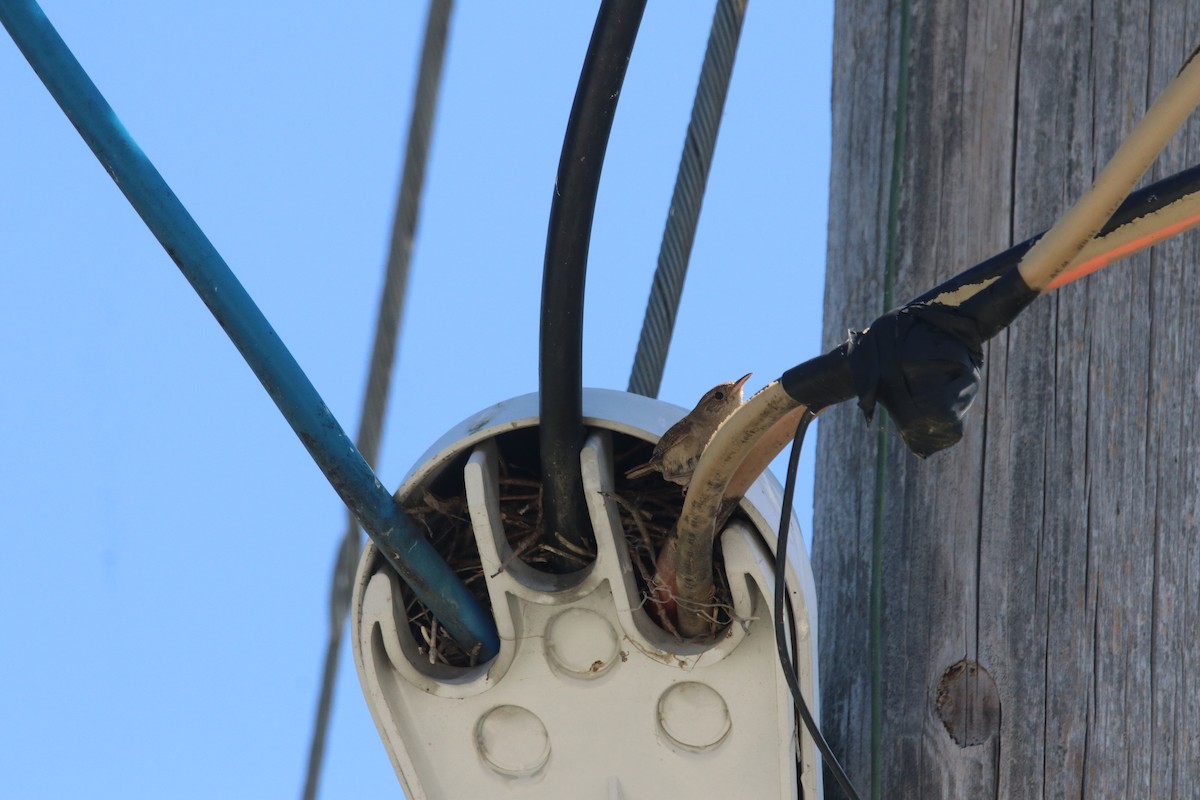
{"x": 730, "y": 446}
{"x": 1055, "y": 252}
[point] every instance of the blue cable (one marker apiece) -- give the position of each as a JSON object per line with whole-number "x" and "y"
{"x": 351, "y": 477}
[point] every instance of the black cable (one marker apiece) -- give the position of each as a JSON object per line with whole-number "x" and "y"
{"x": 387, "y": 326}
{"x": 680, "y": 231}
{"x": 827, "y": 379}
{"x": 560, "y": 360}
{"x": 1137, "y": 205}
{"x": 922, "y": 361}
{"x": 781, "y": 605}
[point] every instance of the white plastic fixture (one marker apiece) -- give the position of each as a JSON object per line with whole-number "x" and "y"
{"x": 588, "y": 698}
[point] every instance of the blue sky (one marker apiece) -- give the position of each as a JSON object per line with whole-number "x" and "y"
{"x": 167, "y": 540}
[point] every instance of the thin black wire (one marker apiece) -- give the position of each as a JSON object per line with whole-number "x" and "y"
{"x": 387, "y": 327}
{"x": 560, "y": 351}
{"x": 782, "y": 606}
{"x": 687, "y": 198}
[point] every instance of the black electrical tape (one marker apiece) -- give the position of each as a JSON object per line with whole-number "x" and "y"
{"x": 1146, "y": 201}
{"x": 822, "y": 381}
{"x": 921, "y": 362}
{"x": 995, "y": 307}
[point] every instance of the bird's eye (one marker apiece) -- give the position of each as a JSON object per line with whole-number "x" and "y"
{"x": 719, "y": 395}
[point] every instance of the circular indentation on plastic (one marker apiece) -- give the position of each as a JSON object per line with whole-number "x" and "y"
{"x": 693, "y": 716}
{"x": 581, "y": 643}
{"x": 512, "y": 741}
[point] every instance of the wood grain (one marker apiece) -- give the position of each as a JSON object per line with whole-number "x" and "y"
{"x": 1056, "y": 545}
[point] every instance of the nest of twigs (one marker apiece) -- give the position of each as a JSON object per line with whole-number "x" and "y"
{"x": 648, "y": 507}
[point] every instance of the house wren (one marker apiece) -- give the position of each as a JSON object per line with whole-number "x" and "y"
{"x": 679, "y": 449}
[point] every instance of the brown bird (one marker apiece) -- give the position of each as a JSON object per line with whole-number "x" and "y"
{"x": 679, "y": 449}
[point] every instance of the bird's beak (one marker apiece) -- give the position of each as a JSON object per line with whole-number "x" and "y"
{"x": 742, "y": 380}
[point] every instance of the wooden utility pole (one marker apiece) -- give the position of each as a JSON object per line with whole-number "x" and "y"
{"x": 1037, "y": 586}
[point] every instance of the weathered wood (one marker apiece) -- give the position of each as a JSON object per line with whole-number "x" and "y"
{"x": 1056, "y": 545}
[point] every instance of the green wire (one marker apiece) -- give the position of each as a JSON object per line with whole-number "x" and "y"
{"x": 881, "y": 450}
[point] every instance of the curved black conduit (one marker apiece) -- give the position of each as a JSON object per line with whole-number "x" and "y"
{"x": 560, "y": 371}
